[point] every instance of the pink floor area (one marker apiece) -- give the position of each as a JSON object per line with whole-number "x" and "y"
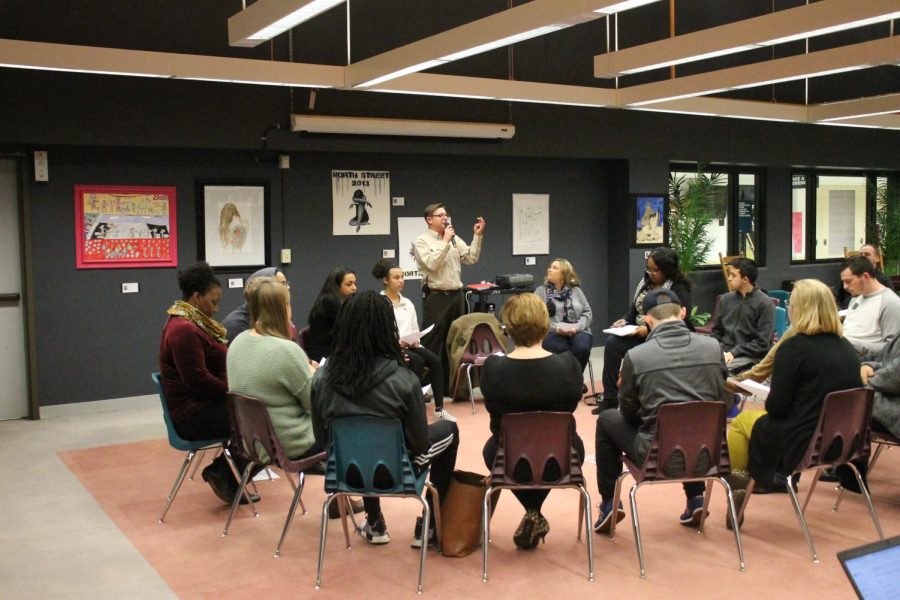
{"x": 130, "y": 482}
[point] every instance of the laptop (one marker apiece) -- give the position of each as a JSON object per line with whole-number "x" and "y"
{"x": 874, "y": 569}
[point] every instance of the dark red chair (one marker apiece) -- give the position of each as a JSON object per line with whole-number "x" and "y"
{"x": 303, "y": 338}
{"x": 695, "y": 431}
{"x": 843, "y": 434}
{"x": 537, "y": 438}
{"x": 254, "y": 436}
{"x": 482, "y": 344}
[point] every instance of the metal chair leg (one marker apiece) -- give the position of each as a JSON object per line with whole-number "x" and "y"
{"x": 795, "y": 502}
{"x": 581, "y": 516}
{"x": 177, "y": 485}
{"x": 237, "y": 476}
{"x": 436, "y": 501}
{"x": 290, "y": 515}
{"x": 865, "y": 491}
{"x": 197, "y": 464}
{"x": 426, "y": 521}
{"x": 471, "y": 389}
{"x": 323, "y": 533}
{"x": 732, "y": 513}
{"x": 636, "y": 525}
{"x": 707, "y": 493}
{"x": 237, "y": 497}
{"x": 485, "y": 531}
{"x": 812, "y": 487}
{"x": 585, "y": 510}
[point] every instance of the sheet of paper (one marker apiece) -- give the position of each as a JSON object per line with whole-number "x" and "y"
{"x": 414, "y": 337}
{"x": 623, "y": 331}
{"x": 760, "y": 390}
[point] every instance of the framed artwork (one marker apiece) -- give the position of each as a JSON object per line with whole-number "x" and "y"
{"x": 119, "y": 227}
{"x": 651, "y": 226}
{"x": 233, "y": 224}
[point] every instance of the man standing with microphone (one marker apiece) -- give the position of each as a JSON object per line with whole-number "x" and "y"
{"x": 440, "y": 255}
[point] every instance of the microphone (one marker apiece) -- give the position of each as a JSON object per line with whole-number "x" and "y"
{"x": 450, "y": 224}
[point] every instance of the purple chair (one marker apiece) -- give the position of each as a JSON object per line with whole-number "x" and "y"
{"x": 255, "y": 437}
{"x": 537, "y": 438}
{"x": 695, "y": 431}
{"x": 482, "y": 344}
{"x": 843, "y": 434}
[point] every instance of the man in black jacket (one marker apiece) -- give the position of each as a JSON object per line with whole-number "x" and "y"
{"x": 745, "y": 320}
{"x": 672, "y": 365}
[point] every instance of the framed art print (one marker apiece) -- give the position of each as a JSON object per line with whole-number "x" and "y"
{"x": 650, "y": 223}
{"x": 119, "y": 227}
{"x": 233, "y": 224}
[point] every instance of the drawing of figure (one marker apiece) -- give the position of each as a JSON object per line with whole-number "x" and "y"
{"x": 232, "y": 228}
{"x": 362, "y": 215}
{"x": 649, "y": 226}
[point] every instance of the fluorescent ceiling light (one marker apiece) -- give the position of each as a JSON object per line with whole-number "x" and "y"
{"x": 86, "y": 71}
{"x": 264, "y": 19}
{"x": 403, "y": 127}
{"x": 797, "y": 23}
{"x": 512, "y": 39}
{"x": 426, "y": 93}
{"x": 623, "y": 6}
{"x": 404, "y": 71}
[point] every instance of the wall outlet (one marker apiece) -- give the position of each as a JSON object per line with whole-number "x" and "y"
{"x": 398, "y": 201}
{"x": 530, "y": 260}
{"x": 41, "y": 166}
{"x": 235, "y": 282}
{"x": 130, "y": 288}
{"x": 285, "y": 256}
{"x": 284, "y": 161}
{"x": 388, "y": 253}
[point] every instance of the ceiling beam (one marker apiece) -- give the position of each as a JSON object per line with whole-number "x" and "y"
{"x": 264, "y": 19}
{"x": 885, "y": 51}
{"x": 167, "y": 65}
{"x": 796, "y": 23}
{"x": 854, "y": 109}
{"x": 516, "y": 24}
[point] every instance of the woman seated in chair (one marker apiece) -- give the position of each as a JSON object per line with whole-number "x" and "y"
{"x": 366, "y": 375}
{"x": 192, "y": 370}
{"x": 339, "y": 285}
{"x": 529, "y": 379}
{"x": 419, "y": 356}
{"x": 768, "y": 444}
{"x": 570, "y": 312}
{"x": 264, "y": 363}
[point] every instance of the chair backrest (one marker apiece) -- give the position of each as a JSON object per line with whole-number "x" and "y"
{"x": 175, "y": 440}
{"x": 545, "y": 441}
{"x": 252, "y": 431}
{"x": 362, "y": 450}
{"x": 780, "y": 323}
{"x": 781, "y": 295}
{"x": 694, "y": 430}
{"x": 850, "y": 253}
{"x": 844, "y": 430}
{"x": 303, "y": 338}
{"x": 483, "y": 342}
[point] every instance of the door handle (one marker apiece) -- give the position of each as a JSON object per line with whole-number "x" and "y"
{"x": 13, "y": 297}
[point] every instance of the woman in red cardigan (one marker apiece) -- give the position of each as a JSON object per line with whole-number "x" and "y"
{"x": 192, "y": 369}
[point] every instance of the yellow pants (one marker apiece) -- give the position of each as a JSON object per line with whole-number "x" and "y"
{"x": 739, "y": 438}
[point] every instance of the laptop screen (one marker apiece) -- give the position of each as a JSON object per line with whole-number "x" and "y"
{"x": 874, "y": 569}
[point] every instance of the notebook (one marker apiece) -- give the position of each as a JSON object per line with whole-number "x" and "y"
{"x": 874, "y": 569}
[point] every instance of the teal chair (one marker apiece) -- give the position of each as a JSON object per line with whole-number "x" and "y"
{"x": 183, "y": 445}
{"x": 781, "y": 323}
{"x": 362, "y": 446}
{"x": 782, "y": 297}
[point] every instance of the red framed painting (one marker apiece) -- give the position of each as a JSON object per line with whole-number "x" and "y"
{"x": 118, "y": 227}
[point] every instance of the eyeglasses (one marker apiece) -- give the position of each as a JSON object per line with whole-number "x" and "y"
{"x": 439, "y": 215}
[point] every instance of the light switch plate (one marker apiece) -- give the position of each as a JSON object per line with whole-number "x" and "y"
{"x": 235, "y": 282}
{"x": 130, "y": 288}
{"x": 530, "y": 260}
{"x": 285, "y": 256}
{"x": 646, "y": 254}
{"x": 388, "y": 253}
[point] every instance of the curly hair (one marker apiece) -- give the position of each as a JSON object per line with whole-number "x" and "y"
{"x": 383, "y": 268}
{"x": 198, "y": 277}
{"x": 667, "y": 261}
{"x": 365, "y": 331}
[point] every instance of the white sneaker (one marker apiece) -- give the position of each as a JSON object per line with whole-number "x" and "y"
{"x": 441, "y": 413}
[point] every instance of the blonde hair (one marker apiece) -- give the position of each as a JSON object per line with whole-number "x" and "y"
{"x": 268, "y": 300}
{"x": 526, "y": 319}
{"x": 570, "y": 277}
{"x": 228, "y": 213}
{"x": 814, "y": 309}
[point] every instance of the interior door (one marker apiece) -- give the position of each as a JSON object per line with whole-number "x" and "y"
{"x": 13, "y": 366}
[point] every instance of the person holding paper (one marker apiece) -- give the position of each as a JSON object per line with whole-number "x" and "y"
{"x": 419, "y": 356}
{"x": 662, "y": 272}
{"x": 813, "y": 362}
{"x": 570, "y": 312}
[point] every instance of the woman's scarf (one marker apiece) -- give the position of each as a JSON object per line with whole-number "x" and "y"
{"x": 213, "y": 328}
{"x": 563, "y": 295}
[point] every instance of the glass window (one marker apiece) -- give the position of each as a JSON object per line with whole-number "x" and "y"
{"x": 798, "y": 218}
{"x": 840, "y": 214}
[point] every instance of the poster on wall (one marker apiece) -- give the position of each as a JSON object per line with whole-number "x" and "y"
{"x": 531, "y": 223}
{"x": 361, "y": 202}
{"x": 408, "y": 229}
{"x": 125, "y": 227}
{"x": 650, "y": 225}
{"x": 232, "y": 224}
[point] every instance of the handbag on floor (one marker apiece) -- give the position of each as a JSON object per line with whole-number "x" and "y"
{"x": 461, "y": 513}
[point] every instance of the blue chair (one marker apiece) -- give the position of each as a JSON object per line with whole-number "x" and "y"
{"x": 362, "y": 446}
{"x": 782, "y": 297}
{"x": 781, "y": 323}
{"x": 183, "y": 445}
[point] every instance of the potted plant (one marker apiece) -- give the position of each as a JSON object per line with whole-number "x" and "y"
{"x": 887, "y": 224}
